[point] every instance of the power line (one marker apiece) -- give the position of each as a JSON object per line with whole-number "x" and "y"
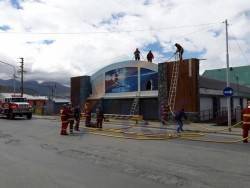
{"x": 110, "y": 31}
{"x": 196, "y": 31}
{"x": 242, "y": 52}
{"x": 21, "y": 70}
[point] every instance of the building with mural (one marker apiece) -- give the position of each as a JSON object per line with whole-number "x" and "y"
{"x": 117, "y": 85}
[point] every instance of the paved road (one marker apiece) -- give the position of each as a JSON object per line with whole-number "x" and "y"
{"x": 33, "y": 154}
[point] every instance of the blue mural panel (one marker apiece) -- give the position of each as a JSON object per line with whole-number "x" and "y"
{"x": 121, "y": 80}
{"x": 149, "y": 79}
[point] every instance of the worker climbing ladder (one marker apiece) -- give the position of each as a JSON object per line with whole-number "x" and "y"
{"x": 135, "y": 104}
{"x": 173, "y": 85}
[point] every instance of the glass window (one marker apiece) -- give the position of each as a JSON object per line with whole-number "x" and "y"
{"x": 19, "y": 100}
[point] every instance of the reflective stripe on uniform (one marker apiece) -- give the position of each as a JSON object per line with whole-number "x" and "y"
{"x": 246, "y": 115}
{"x": 244, "y": 122}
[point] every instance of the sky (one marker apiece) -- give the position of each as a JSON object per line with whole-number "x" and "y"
{"x": 59, "y": 39}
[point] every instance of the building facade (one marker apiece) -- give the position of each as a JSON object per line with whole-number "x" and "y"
{"x": 117, "y": 85}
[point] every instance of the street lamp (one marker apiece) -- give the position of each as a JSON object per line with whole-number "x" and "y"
{"x": 14, "y": 75}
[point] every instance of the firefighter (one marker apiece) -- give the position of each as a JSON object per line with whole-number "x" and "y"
{"x": 179, "y": 50}
{"x": 150, "y": 56}
{"x": 99, "y": 117}
{"x": 64, "y": 119}
{"x": 246, "y": 122}
{"x": 137, "y": 54}
{"x": 71, "y": 118}
{"x": 87, "y": 112}
{"x": 77, "y": 116}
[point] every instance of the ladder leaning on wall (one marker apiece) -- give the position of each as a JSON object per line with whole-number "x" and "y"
{"x": 173, "y": 85}
{"x": 135, "y": 104}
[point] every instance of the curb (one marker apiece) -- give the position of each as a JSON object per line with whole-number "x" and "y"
{"x": 45, "y": 117}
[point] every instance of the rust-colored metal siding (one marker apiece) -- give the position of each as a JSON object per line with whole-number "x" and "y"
{"x": 80, "y": 90}
{"x": 187, "y": 94}
{"x": 75, "y": 90}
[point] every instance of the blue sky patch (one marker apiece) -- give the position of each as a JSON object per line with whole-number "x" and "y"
{"x": 4, "y": 27}
{"x": 156, "y": 47}
{"x": 16, "y": 4}
{"x": 114, "y": 17}
{"x": 247, "y": 13}
{"x": 118, "y": 15}
{"x": 48, "y": 42}
{"x": 146, "y": 2}
{"x": 215, "y": 33}
{"x": 192, "y": 54}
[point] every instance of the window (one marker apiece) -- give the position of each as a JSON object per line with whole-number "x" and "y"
{"x": 149, "y": 85}
{"x": 19, "y": 100}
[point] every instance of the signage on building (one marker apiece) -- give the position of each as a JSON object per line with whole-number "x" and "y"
{"x": 228, "y": 92}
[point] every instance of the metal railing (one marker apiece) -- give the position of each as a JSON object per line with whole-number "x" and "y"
{"x": 219, "y": 116}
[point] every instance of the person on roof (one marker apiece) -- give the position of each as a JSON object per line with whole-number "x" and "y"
{"x": 150, "y": 56}
{"x": 179, "y": 50}
{"x": 137, "y": 54}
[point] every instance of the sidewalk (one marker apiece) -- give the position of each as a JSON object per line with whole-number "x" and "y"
{"x": 45, "y": 117}
{"x": 200, "y": 127}
{"x": 194, "y": 127}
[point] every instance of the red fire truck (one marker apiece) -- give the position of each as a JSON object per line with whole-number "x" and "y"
{"x": 15, "y": 106}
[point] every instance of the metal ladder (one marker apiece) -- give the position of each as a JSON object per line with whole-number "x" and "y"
{"x": 134, "y": 104}
{"x": 173, "y": 85}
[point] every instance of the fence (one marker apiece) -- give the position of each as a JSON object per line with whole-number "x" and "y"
{"x": 220, "y": 116}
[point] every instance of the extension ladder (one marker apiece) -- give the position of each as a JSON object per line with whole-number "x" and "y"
{"x": 134, "y": 104}
{"x": 173, "y": 85}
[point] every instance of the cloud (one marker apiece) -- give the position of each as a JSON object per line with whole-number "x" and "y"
{"x": 60, "y": 38}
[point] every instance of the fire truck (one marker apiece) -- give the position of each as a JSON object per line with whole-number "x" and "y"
{"x": 14, "y": 106}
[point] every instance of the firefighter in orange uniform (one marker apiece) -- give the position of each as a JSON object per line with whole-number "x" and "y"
{"x": 64, "y": 119}
{"x": 77, "y": 116}
{"x": 99, "y": 117}
{"x": 246, "y": 122}
{"x": 71, "y": 118}
{"x": 87, "y": 112}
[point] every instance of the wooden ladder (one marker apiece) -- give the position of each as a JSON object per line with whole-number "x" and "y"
{"x": 173, "y": 85}
{"x": 134, "y": 104}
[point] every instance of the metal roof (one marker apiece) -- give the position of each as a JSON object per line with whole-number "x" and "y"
{"x": 240, "y": 75}
{"x": 209, "y": 83}
{"x": 30, "y": 97}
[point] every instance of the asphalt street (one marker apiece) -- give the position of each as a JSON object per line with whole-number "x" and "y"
{"x": 33, "y": 154}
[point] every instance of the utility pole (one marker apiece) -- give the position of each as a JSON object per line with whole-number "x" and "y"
{"x": 21, "y": 70}
{"x": 229, "y": 123}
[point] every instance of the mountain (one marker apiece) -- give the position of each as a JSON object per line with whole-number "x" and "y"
{"x": 34, "y": 88}
{"x": 5, "y": 89}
